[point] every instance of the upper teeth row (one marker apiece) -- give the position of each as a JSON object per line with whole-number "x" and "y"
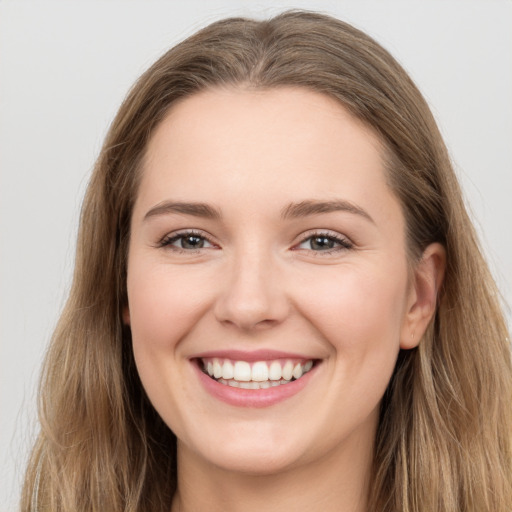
{"x": 259, "y": 371}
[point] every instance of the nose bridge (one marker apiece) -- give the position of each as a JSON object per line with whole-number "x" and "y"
{"x": 252, "y": 295}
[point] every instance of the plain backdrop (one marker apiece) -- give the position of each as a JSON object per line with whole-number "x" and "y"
{"x": 66, "y": 66}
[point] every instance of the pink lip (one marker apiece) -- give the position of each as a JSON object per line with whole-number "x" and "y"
{"x": 251, "y": 397}
{"x": 255, "y": 355}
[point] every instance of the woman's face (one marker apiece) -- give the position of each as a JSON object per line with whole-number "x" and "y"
{"x": 266, "y": 244}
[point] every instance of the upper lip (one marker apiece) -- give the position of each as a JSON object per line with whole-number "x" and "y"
{"x": 251, "y": 356}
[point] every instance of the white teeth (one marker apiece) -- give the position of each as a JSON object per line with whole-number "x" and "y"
{"x": 253, "y": 384}
{"x": 242, "y": 371}
{"x": 249, "y": 385}
{"x": 288, "y": 370}
{"x": 297, "y": 371}
{"x": 228, "y": 371}
{"x": 258, "y": 375}
{"x": 259, "y": 371}
{"x": 217, "y": 369}
{"x": 275, "y": 371}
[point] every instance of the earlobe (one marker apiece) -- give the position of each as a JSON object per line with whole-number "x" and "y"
{"x": 126, "y": 315}
{"x": 427, "y": 279}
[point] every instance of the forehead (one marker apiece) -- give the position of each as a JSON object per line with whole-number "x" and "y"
{"x": 235, "y": 146}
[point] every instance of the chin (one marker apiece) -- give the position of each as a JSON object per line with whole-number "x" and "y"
{"x": 255, "y": 464}
{"x": 264, "y": 454}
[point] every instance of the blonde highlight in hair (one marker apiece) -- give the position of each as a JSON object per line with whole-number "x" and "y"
{"x": 444, "y": 439}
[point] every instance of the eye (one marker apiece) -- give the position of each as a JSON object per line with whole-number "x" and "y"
{"x": 324, "y": 242}
{"x": 186, "y": 241}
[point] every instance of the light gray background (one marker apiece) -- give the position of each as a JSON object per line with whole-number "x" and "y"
{"x": 64, "y": 69}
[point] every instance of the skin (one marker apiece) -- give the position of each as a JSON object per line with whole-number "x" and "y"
{"x": 259, "y": 282}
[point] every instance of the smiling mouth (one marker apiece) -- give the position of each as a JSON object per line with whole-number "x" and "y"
{"x": 255, "y": 375}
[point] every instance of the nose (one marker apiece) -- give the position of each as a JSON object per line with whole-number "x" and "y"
{"x": 252, "y": 295}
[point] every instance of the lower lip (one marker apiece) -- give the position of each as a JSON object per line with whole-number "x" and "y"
{"x": 253, "y": 397}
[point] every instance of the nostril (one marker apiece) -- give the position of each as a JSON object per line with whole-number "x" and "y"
{"x": 251, "y": 313}
{"x": 251, "y": 297}
{"x": 250, "y": 325}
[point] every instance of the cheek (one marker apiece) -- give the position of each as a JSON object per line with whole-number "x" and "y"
{"x": 365, "y": 335}
{"x": 354, "y": 302}
{"x": 164, "y": 305}
{"x": 359, "y": 312}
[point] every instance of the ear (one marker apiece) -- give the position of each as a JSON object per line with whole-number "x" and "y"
{"x": 426, "y": 281}
{"x": 126, "y": 315}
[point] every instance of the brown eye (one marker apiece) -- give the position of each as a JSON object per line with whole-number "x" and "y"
{"x": 191, "y": 242}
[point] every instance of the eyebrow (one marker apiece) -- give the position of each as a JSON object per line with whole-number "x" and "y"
{"x": 196, "y": 209}
{"x": 314, "y": 207}
{"x": 291, "y": 211}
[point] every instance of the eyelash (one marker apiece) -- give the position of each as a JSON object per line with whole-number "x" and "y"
{"x": 342, "y": 242}
{"x": 170, "y": 239}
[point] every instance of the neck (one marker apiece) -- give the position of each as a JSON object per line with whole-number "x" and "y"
{"x": 337, "y": 482}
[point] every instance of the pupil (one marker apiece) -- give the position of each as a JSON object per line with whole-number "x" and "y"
{"x": 322, "y": 243}
{"x": 192, "y": 242}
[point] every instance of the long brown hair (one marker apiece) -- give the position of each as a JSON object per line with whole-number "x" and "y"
{"x": 444, "y": 437}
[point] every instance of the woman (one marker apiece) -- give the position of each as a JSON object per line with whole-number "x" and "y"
{"x": 278, "y": 298}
